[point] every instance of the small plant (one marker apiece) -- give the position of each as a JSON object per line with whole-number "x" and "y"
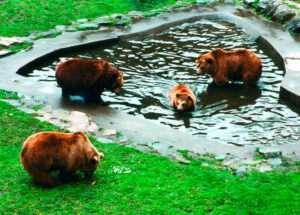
{"x": 36, "y": 107}
{"x": 8, "y": 95}
{"x": 19, "y": 47}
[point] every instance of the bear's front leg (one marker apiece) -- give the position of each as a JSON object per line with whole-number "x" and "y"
{"x": 94, "y": 96}
{"x": 45, "y": 179}
{"x": 66, "y": 176}
{"x": 220, "y": 80}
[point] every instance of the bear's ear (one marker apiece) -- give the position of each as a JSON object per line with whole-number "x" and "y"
{"x": 105, "y": 64}
{"x": 94, "y": 159}
{"x": 114, "y": 76}
{"x": 101, "y": 155}
{"x": 209, "y": 60}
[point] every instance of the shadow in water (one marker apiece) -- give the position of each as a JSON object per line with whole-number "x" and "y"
{"x": 234, "y": 95}
{"x": 184, "y": 117}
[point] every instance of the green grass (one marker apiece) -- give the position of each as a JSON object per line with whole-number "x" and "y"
{"x": 21, "y": 18}
{"x": 132, "y": 182}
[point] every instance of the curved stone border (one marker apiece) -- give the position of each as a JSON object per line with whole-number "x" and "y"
{"x": 160, "y": 137}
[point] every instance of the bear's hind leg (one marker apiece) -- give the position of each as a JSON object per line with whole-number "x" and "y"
{"x": 65, "y": 93}
{"x": 249, "y": 80}
{"x": 94, "y": 97}
{"x": 45, "y": 179}
{"x": 220, "y": 80}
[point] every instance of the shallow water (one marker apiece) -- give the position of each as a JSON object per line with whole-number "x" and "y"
{"x": 154, "y": 64}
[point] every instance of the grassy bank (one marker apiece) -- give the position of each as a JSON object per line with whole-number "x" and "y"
{"x": 20, "y": 18}
{"x": 132, "y": 182}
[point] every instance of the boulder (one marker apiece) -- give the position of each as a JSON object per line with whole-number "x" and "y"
{"x": 294, "y": 26}
{"x": 7, "y": 42}
{"x": 283, "y": 14}
{"x": 274, "y": 161}
{"x": 249, "y": 2}
{"x": 270, "y": 152}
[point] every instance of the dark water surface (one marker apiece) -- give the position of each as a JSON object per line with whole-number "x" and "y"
{"x": 154, "y": 64}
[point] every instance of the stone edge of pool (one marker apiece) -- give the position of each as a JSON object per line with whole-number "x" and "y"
{"x": 279, "y": 44}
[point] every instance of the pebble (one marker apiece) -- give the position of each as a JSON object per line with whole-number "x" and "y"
{"x": 274, "y": 161}
{"x": 109, "y": 132}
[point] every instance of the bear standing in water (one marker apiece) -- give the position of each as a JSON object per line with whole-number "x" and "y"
{"x": 45, "y": 152}
{"x": 88, "y": 78}
{"x": 224, "y": 66}
{"x": 182, "y": 98}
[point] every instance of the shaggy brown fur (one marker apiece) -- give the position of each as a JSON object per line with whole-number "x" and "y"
{"x": 182, "y": 98}
{"x": 224, "y": 66}
{"x": 88, "y": 78}
{"x": 45, "y": 152}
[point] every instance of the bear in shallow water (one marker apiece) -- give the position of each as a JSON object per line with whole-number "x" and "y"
{"x": 182, "y": 98}
{"x": 88, "y": 78}
{"x": 47, "y": 152}
{"x": 224, "y": 66}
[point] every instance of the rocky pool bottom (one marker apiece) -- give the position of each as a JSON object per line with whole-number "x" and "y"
{"x": 154, "y": 64}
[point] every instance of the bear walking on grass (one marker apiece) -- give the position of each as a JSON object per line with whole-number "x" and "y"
{"x": 224, "y": 66}
{"x": 88, "y": 78}
{"x": 47, "y": 152}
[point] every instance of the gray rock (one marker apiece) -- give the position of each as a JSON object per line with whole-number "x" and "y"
{"x": 194, "y": 155}
{"x": 294, "y": 26}
{"x": 283, "y": 14}
{"x": 220, "y": 157}
{"x": 5, "y": 52}
{"x": 46, "y": 33}
{"x": 135, "y": 16}
{"x": 88, "y": 26}
{"x": 272, "y": 7}
{"x": 105, "y": 140}
{"x": 249, "y": 2}
{"x": 205, "y": 1}
{"x": 7, "y": 42}
{"x": 241, "y": 171}
{"x": 110, "y": 132}
{"x": 104, "y": 20}
{"x": 82, "y": 20}
{"x": 264, "y": 168}
{"x": 270, "y": 152}
{"x": 274, "y": 161}
{"x": 263, "y": 5}
{"x": 60, "y": 27}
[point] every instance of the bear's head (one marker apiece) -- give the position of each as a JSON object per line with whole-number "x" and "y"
{"x": 206, "y": 64}
{"x": 92, "y": 162}
{"x": 183, "y": 102}
{"x": 115, "y": 78}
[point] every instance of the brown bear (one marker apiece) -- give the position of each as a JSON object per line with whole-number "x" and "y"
{"x": 47, "y": 152}
{"x": 88, "y": 78}
{"x": 182, "y": 98}
{"x": 224, "y": 66}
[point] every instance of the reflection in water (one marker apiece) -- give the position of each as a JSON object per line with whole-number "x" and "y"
{"x": 154, "y": 64}
{"x": 235, "y": 95}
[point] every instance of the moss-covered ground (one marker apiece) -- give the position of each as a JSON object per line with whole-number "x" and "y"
{"x": 133, "y": 182}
